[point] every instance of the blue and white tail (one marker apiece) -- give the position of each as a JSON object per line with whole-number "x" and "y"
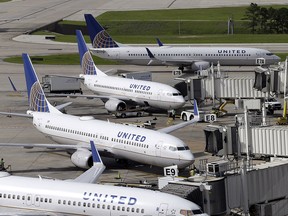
{"x": 36, "y": 97}
{"x": 98, "y": 35}
{"x": 86, "y": 60}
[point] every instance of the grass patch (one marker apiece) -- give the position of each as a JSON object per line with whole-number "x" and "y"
{"x": 208, "y": 25}
{"x": 188, "y": 26}
{"x": 237, "y": 13}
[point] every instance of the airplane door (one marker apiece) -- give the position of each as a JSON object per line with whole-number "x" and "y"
{"x": 116, "y": 54}
{"x": 159, "y": 95}
{"x": 163, "y": 209}
{"x": 28, "y": 199}
{"x": 37, "y": 201}
{"x": 158, "y": 147}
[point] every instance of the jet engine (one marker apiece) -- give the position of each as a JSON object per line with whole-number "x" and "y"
{"x": 113, "y": 105}
{"x": 82, "y": 158}
{"x": 200, "y": 65}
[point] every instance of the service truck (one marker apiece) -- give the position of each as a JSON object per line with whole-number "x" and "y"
{"x": 61, "y": 84}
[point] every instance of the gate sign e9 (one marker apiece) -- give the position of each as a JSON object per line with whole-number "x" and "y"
{"x": 171, "y": 171}
{"x": 210, "y": 118}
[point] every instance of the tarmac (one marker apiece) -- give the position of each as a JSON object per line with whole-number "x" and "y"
{"x": 20, "y": 17}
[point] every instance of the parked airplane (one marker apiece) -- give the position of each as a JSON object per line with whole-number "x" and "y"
{"x": 117, "y": 92}
{"x": 40, "y": 196}
{"x": 191, "y": 57}
{"x": 120, "y": 141}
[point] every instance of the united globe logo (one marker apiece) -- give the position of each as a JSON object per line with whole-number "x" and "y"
{"x": 37, "y": 99}
{"x": 88, "y": 64}
{"x": 103, "y": 40}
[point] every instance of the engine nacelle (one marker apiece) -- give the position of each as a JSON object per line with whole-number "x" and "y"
{"x": 200, "y": 65}
{"x": 82, "y": 158}
{"x": 113, "y": 105}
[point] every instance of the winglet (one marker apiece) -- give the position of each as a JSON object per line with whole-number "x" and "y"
{"x": 159, "y": 42}
{"x": 12, "y": 84}
{"x": 150, "y": 53}
{"x": 196, "y": 111}
{"x": 95, "y": 154}
{"x": 98, "y": 35}
{"x": 92, "y": 175}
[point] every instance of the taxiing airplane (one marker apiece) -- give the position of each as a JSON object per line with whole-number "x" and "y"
{"x": 42, "y": 196}
{"x": 118, "y": 92}
{"x": 191, "y": 57}
{"x": 116, "y": 140}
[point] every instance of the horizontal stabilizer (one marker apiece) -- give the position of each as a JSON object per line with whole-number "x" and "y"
{"x": 10, "y": 114}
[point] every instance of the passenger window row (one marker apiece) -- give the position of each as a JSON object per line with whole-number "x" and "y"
{"x": 128, "y": 142}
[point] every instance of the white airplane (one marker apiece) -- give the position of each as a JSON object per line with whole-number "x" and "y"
{"x": 117, "y": 92}
{"x": 40, "y": 196}
{"x": 117, "y": 140}
{"x": 191, "y": 57}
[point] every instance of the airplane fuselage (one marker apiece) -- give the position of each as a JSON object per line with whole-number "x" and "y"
{"x": 74, "y": 198}
{"x": 121, "y": 141}
{"x": 156, "y": 95}
{"x": 185, "y": 56}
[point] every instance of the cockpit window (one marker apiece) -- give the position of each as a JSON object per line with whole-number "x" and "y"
{"x": 197, "y": 211}
{"x": 190, "y": 212}
{"x": 269, "y": 54}
{"x": 172, "y": 148}
{"x": 182, "y": 148}
{"x": 177, "y": 94}
{"x": 186, "y": 212}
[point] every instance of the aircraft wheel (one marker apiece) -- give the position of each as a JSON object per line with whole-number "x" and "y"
{"x": 184, "y": 117}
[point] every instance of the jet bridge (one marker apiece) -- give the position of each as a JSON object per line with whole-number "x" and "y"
{"x": 224, "y": 186}
{"x": 218, "y": 86}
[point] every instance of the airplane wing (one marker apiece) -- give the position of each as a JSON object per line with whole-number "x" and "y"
{"x": 178, "y": 126}
{"x": 40, "y": 145}
{"x": 92, "y": 175}
{"x": 92, "y": 96}
{"x": 183, "y": 124}
{"x": 25, "y": 212}
{"x": 175, "y": 62}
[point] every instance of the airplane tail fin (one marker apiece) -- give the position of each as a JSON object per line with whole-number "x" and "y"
{"x": 36, "y": 97}
{"x": 86, "y": 60}
{"x": 98, "y": 35}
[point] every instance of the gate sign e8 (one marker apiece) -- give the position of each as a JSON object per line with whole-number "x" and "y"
{"x": 171, "y": 171}
{"x": 210, "y": 118}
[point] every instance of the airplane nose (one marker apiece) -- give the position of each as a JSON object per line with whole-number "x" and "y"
{"x": 180, "y": 102}
{"x": 187, "y": 158}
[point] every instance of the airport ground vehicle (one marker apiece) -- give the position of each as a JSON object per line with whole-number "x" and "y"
{"x": 124, "y": 114}
{"x": 187, "y": 115}
{"x": 61, "y": 84}
{"x": 273, "y": 103}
